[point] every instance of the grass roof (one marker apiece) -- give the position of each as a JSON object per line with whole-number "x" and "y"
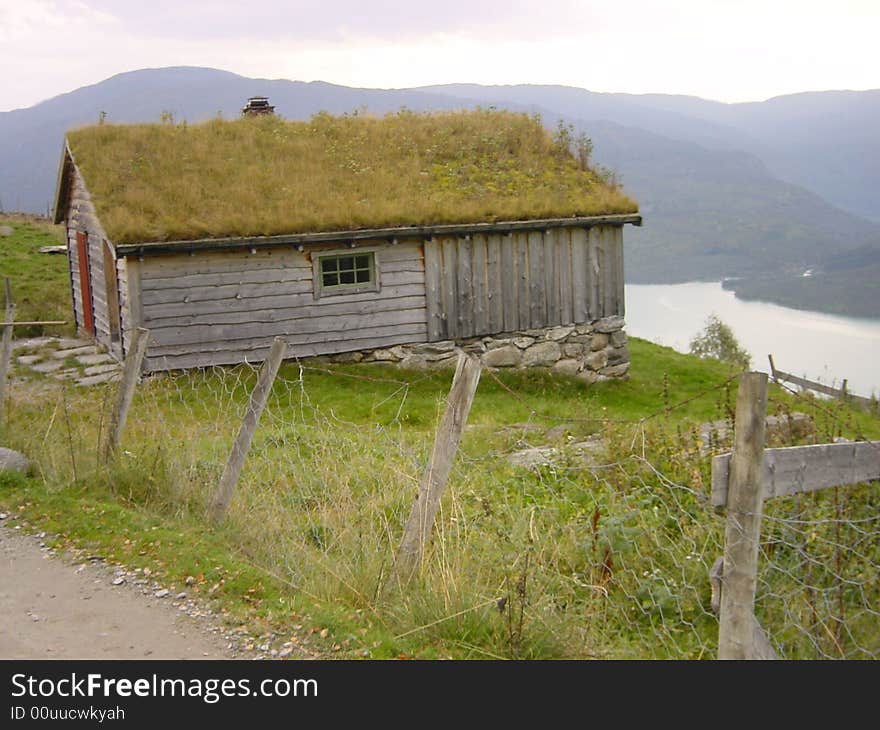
{"x": 267, "y": 176}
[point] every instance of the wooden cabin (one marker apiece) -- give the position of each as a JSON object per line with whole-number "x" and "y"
{"x": 207, "y": 236}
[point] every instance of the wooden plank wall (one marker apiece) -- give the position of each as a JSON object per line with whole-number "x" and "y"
{"x": 225, "y": 307}
{"x": 81, "y": 216}
{"x": 488, "y": 284}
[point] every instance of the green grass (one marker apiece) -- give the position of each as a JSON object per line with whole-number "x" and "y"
{"x": 562, "y": 560}
{"x": 40, "y": 282}
{"x": 265, "y": 176}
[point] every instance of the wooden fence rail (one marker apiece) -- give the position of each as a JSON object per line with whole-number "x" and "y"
{"x": 741, "y": 482}
{"x": 805, "y": 469}
{"x": 841, "y": 393}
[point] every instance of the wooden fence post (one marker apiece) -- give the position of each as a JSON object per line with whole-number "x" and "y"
{"x": 6, "y": 349}
{"x": 223, "y": 496}
{"x": 744, "y": 508}
{"x": 421, "y": 518}
{"x": 131, "y": 372}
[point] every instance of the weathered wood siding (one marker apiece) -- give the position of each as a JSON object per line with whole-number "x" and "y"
{"x": 81, "y": 217}
{"x": 487, "y": 284}
{"x": 226, "y": 307}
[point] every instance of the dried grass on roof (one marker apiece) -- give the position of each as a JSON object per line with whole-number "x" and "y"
{"x": 268, "y": 176}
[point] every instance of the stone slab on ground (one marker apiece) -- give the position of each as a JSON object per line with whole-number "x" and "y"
{"x": 28, "y": 359}
{"x": 110, "y": 367}
{"x": 76, "y": 351}
{"x": 50, "y": 366}
{"x": 66, "y": 374}
{"x": 586, "y": 452}
{"x": 32, "y": 343}
{"x": 13, "y": 461}
{"x": 99, "y": 379}
{"x": 96, "y": 359}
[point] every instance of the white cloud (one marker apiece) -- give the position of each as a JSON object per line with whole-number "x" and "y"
{"x": 730, "y": 50}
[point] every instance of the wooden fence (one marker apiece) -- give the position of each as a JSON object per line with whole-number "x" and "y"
{"x": 741, "y": 482}
{"x": 841, "y": 393}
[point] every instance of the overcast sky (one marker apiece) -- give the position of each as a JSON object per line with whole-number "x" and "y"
{"x": 727, "y": 50}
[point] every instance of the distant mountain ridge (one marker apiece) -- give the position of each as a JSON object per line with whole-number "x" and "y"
{"x": 726, "y": 190}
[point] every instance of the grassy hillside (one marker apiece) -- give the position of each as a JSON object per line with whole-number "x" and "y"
{"x": 601, "y": 550}
{"x": 40, "y": 282}
{"x": 601, "y": 558}
{"x": 264, "y": 176}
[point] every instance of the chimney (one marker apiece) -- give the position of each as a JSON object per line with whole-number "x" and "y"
{"x": 257, "y": 105}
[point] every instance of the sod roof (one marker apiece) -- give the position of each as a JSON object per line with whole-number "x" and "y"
{"x": 264, "y": 176}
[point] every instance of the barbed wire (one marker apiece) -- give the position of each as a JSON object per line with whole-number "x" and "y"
{"x": 598, "y": 552}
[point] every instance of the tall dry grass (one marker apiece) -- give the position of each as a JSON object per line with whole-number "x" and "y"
{"x": 265, "y": 176}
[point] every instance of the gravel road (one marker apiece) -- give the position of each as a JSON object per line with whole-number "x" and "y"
{"x": 56, "y": 608}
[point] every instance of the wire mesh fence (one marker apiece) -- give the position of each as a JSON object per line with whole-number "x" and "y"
{"x": 598, "y": 545}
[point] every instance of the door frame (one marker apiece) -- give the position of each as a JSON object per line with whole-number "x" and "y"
{"x": 85, "y": 281}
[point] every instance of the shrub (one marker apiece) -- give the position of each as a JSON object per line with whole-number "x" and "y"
{"x": 717, "y": 340}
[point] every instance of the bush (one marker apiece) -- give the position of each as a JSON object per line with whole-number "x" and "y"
{"x": 717, "y": 340}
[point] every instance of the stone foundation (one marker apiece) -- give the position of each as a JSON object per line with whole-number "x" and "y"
{"x": 592, "y": 351}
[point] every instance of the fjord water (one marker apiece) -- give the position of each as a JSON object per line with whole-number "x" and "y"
{"x": 822, "y": 347}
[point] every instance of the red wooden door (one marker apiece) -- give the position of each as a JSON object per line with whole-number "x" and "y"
{"x": 85, "y": 281}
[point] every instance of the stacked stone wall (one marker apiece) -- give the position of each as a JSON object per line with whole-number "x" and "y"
{"x": 592, "y": 351}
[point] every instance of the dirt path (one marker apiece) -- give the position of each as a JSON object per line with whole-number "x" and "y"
{"x": 54, "y": 609}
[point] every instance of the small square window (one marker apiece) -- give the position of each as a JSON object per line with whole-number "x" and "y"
{"x": 346, "y": 273}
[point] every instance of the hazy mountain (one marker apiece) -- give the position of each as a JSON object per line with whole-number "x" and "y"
{"x": 710, "y": 177}
{"x": 31, "y": 139}
{"x": 824, "y": 141}
{"x": 711, "y": 214}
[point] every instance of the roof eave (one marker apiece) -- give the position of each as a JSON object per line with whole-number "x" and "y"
{"x": 427, "y": 231}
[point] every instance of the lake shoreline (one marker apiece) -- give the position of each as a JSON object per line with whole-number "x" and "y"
{"x": 824, "y": 347}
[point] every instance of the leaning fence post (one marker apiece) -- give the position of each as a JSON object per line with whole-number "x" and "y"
{"x": 131, "y": 372}
{"x": 223, "y": 496}
{"x": 6, "y": 351}
{"x": 745, "y": 500}
{"x": 421, "y": 518}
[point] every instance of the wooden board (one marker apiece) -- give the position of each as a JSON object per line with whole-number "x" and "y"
{"x": 619, "y": 272}
{"x": 609, "y": 259}
{"x": 581, "y": 279}
{"x": 480, "y": 285}
{"x": 229, "y": 353}
{"x": 464, "y": 274}
{"x": 537, "y": 288}
{"x": 805, "y": 468}
{"x": 278, "y": 311}
{"x": 597, "y": 279}
{"x": 495, "y": 284}
{"x": 509, "y": 283}
{"x": 449, "y": 247}
{"x": 563, "y": 269}
{"x": 551, "y": 278}
{"x": 522, "y": 283}
{"x": 433, "y": 293}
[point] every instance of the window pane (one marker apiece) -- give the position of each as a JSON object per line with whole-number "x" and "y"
{"x": 347, "y": 270}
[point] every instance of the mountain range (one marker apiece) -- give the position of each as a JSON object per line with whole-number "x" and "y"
{"x": 756, "y": 193}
